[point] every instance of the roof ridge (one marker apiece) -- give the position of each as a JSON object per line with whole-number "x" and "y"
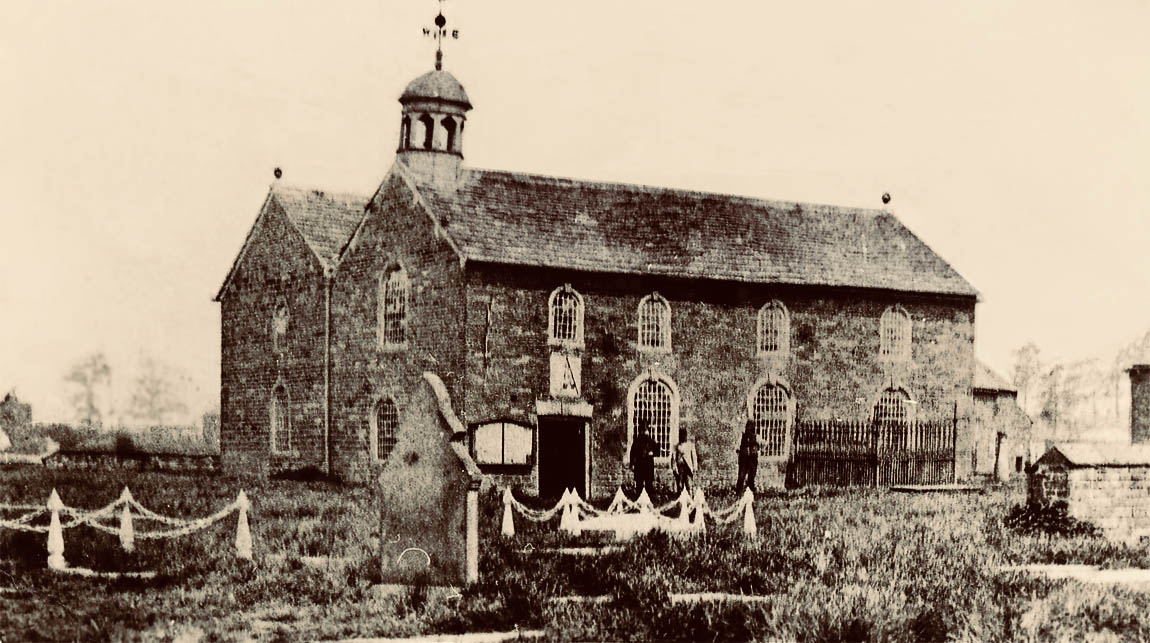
{"x": 280, "y": 188}
{"x": 646, "y": 187}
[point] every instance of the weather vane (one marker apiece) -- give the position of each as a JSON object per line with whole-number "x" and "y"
{"x": 438, "y": 34}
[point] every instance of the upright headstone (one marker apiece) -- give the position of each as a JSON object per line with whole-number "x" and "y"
{"x": 428, "y": 492}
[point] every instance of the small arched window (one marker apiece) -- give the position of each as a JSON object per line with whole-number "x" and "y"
{"x": 449, "y": 128}
{"x": 565, "y": 317}
{"x": 892, "y": 408}
{"x": 428, "y": 130}
{"x": 894, "y": 333}
{"x": 280, "y": 319}
{"x": 654, "y": 405}
{"x": 405, "y": 133}
{"x": 384, "y": 428}
{"x": 280, "y": 420}
{"x": 393, "y": 307}
{"x": 770, "y": 413}
{"x": 654, "y": 323}
{"x": 774, "y": 329}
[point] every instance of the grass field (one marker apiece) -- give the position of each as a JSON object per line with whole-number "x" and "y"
{"x": 832, "y": 566}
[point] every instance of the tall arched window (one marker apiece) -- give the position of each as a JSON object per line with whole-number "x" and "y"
{"x": 654, "y": 404}
{"x": 384, "y": 427}
{"x": 279, "y": 419}
{"x": 892, "y": 408}
{"x": 774, "y": 330}
{"x": 565, "y": 317}
{"x": 894, "y": 333}
{"x": 393, "y": 307}
{"x": 770, "y": 413}
{"x": 654, "y": 323}
{"x": 428, "y": 130}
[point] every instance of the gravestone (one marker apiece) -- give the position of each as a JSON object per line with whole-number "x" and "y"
{"x": 428, "y": 492}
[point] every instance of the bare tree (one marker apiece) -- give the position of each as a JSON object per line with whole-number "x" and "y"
{"x": 1025, "y": 372}
{"x": 156, "y": 395}
{"x": 86, "y": 377}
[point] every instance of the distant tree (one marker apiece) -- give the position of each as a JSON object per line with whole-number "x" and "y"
{"x": 156, "y": 395}
{"x": 1025, "y": 371}
{"x": 86, "y": 377}
{"x": 1050, "y": 397}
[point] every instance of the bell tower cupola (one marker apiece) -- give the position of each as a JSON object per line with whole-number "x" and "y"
{"x": 435, "y": 110}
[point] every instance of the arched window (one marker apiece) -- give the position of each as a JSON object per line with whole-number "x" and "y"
{"x": 774, "y": 329}
{"x": 279, "y": 419}
{"x": 405, "y": 133}
{"x": 655, "y": 404}
{"x": 393, "y": 307}
{"x": 280, "y": 319}
{"x": 894, "y": 333}
{"x": 770, "y": 413}
{"x": 384, "y": 427}
{"x": 892, "y": 408}
{"x": 565, "y": 317}
{"x": 428, "y": 130}
{"x": 449, "y": 128}
{"x": 654, "y": 323}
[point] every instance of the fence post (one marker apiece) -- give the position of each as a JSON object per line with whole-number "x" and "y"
{"x": 243, "y": 532}
{"x": 954, "y": 446}
{"x": 127, "y": 535}
{"x": 55, "y": 534}
{"x": 508, "y": 528}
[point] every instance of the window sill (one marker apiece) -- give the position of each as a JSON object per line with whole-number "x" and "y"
{"x": 393, "y": 348}
{"x": 773, "y": 354}
{"x": 286, "y": 454}
{"x": 566, "y": 344}
{"x": 654, "y": 350}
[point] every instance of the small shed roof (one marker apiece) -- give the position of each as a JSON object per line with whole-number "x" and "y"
{"x": 986, "y": 379}
{"x": 1087, "y": 454}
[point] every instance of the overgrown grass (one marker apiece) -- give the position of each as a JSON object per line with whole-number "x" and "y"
{"x": 858, "y": 565}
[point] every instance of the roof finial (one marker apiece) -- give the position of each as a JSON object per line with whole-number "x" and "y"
{"x": 439, "y": 34}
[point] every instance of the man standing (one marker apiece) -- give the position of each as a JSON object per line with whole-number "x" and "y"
{"x": 685, "y": 463}
{"x": 748, "y": 459}
{"x": 643, "y": 459}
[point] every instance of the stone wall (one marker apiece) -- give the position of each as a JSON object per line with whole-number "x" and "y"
{"x": 278, "y": 267}
{"x": 1115, "y": 499}
{"x": 172, "y": 463}
{"x": 833, "y": 366}
{"x": 995, "y": 412}
{"x": 397, "y": 231}
{"x": 1140, "y": 403}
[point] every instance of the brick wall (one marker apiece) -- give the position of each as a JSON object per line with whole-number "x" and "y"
{"x": 397, "y": 230}
{"x": 1114, "y": 498}
{"x": 277, "y": 267}
{"x": 833, "y": 359}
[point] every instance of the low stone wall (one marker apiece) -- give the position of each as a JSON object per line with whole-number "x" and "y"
{"x": 169, "y": 462}
{"x": 1113, "y": 498}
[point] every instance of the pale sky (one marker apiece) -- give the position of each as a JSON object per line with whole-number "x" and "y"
{"x": 139, "y": 139}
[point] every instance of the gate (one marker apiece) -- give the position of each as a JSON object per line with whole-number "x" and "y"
{"x": 872, "y": 454}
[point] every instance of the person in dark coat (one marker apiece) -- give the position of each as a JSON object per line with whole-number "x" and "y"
{"x": 643, "y": 450}
{"x": 748, "y": 459}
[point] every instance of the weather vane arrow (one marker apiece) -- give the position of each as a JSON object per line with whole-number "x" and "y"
{"x": 439, "y": 33}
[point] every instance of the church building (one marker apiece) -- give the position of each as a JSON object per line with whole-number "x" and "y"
{"x": 562, "y": 313}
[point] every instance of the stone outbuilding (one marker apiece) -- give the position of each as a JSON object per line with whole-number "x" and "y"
{"x": 1107, "y": 485}
{"x": 999, "y": 427}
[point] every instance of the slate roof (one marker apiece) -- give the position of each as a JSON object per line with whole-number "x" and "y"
{"x": 1084, "y": 454}
{"x": 325, "y": 219}
{"x": 987, "y": 380}
{"x": 526, "y": 219}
